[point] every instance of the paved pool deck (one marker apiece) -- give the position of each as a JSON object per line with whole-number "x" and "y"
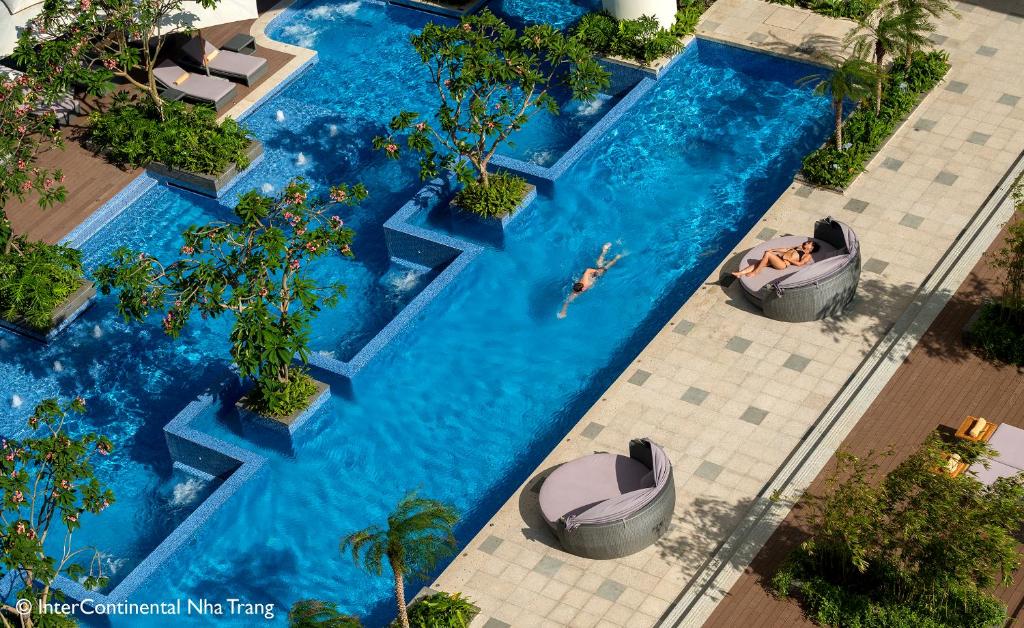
{"x": 733, "y": 396}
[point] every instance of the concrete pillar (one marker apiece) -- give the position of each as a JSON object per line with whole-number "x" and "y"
{"x": 663, "y": 10}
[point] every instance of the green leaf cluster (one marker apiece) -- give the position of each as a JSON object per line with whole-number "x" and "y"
{"x": 36, "y": 278}
{"x": 852, "y": 9}
{"x": 490, "y": 81}
{"x": 130, "y": 133}
{"x": 642, "y": 40}
{"x": 320, "y": 614}
{"x": 918, "y": 548}
{"x": 45, "y": 478}
{"x": 496, "y": 200}
{"x": 441, "y": 610}
{"x": 255, "y": 268}
{"x": 864, "y": 131}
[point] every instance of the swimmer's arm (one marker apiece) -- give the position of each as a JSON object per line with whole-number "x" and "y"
{"x": 604, "y": 249}
{"x": 613, "y": 261}
{"x": 565, "y": 306}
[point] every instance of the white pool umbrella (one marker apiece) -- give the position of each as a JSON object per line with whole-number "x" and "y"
{"x": 14, "y": 14}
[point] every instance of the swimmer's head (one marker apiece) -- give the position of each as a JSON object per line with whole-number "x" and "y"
{"x": 577, "y": 287}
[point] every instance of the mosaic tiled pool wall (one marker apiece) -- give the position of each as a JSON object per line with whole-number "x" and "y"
{"x": 408, "y": 244}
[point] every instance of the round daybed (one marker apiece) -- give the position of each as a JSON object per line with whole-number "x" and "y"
{"x": 607, "y": 505}
{"x": 806, "y": 293}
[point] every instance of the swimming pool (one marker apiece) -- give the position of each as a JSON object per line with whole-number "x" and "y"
{"x": 487, "y": 380}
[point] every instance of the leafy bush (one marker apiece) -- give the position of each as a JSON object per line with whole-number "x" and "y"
{"x": 998, "y": 334}
{"x": 642, "y": 40}
{"x": 918, "y": 548}
{"x": 441, "y": 610}
{"x": 35, "y": 278}
{"x": 688, "y": 15}
{"x": 852, "y": 9}
{"x": 320, "y": 614}
{"x": 276, "y": 398}
{"x": 190, "y": 138}
{"x": 865, "y": 131}
{"x": 499, "y": 198}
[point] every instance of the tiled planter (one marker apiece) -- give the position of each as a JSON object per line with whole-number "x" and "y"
{"x": 487, "y": 229}
{"x": 206, "y": 184}
{"x": 71, "y": 309}
{"x": 293, "y": 421}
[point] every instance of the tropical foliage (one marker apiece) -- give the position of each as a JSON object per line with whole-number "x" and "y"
{"x": 130, "y": 133}
{"x": 320, "y": 614}
{"x": 256, "y": 268}
{"x": 418, "y": 534}
{"x": 25, "y": 130}
{"x": 45, "y": 478}
{"x": 490, "y": 80}
{"x": 849, "y": 78}
{"x": 36, "y": 278}
{"x": 852, "y": 9}
{"x": 92, "y": 42}
{"x": 917, "y": 548}
{"x": 998, "y": 331}
{"x": 865, "y": 131}
{"x": 441, "y": 610}
{"x": 642, "y": 40}
{"x": 890, "y": 30}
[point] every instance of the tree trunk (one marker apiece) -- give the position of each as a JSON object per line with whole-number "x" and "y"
{"x": 880, "y": 66}
{"x": 837, "y": 104}
{"x": 403, "y": 612}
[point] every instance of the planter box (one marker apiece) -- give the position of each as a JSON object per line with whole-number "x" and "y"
{"x": 293, "y": 421}
{"x": 212, "y": 185}
{"x": 71, "y": 309}
{"x": 456, "y": 10}
{"x": 491, "y": 230}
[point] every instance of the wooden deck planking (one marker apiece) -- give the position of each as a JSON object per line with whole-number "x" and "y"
{"x": 91, "y": 181}
{"x": 937, "y": 385}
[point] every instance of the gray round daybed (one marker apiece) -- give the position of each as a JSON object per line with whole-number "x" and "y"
{"x": 607, "y": 505}
{"x": 807, "y": 293}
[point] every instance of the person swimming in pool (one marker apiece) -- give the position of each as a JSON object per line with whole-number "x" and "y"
{"x": 781, "y": 259}
{"x": 590, "y": 277}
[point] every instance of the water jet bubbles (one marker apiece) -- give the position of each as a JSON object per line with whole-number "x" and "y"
{"x": 332, "y": 129}
{"x": 96, "y": 331}
{"x": 267, "y": 188}
{"x": 300, "y": 160}
{"x": 280, "y": 116}
{"x": 16, "y": 401}
{"x": 3, "y": 343}
{"x": 57, "y": 366}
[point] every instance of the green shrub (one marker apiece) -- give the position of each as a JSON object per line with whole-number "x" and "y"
{"x": 998, "y": 334}
{"x": 320, "y": 614}
{"x": 130, "y": 133}
{"x": 642, "y": 40}
{"x": 441, "y": 610}
{"x": 688, "y": 14}
{"x": 852, "y": 9}
{"x": 282, "y": 398}
{"x": 35, "y": 278}
{"x": 498, "y": 199}
{"x": 865, "y": 131}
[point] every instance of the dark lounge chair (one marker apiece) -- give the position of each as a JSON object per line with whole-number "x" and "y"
{"x": 246, "y": 69}
{"x": 199, "y": 87}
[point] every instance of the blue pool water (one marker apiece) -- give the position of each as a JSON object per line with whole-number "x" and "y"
{"x": 488, "y": 379}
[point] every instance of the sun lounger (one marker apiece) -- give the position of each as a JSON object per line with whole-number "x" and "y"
{"x": 62, "y": 107}
{"x": 239, "y": 67}
{"x": 199, "y": 87}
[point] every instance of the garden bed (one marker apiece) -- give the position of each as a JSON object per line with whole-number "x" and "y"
{"x": 294, "y": 420}
{"x": 865, "y": 133}
{"x": 212, "y": 185}
{"x": 71, "y": 309}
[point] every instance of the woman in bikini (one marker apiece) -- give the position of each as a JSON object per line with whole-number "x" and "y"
{"x": 781, "y": 259}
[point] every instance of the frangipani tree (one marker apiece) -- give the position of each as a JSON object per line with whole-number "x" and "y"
{"x": 490, "y": 80}
{"x": 851, "y": 78}
{"x": 418, "y": 534}
{"x": 46, "y": 478}
{"x": 92, "y": 42}
{"x": 25, "y": 131}
{"x": 256, "y": 268}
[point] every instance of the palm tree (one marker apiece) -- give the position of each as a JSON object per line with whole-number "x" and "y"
{"x": 852, "y": 77}
{"x": 927, "y": 9}
{"x": 886, "y": 30}
{"x": 418, "y": 534}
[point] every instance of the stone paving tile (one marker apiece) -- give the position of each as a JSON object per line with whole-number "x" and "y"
{"x": 796, "y": 362}
{"x": 610, "y": 590}
{"x": 987, "y": 51}
{"x": 804, "y": 191}
{"x": 496, "y": 623}
{"x": 766, "y": 234}
{"x": 856, "y": 205}
{"x": 490, "y": 544}
{"x": 891, "y": 163}
{"x": 548, "y": 566}
{"x": 592, "y": 430}
{"x": 946, "y": 178}
{"x": 639, "y": 377}
{"x": 978, "y": 138}
{"x": 694, "y": 395}
{"x": 912, "y": 221}
{"x": 707, "y": 440}
{"x": 738, "y": 344}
